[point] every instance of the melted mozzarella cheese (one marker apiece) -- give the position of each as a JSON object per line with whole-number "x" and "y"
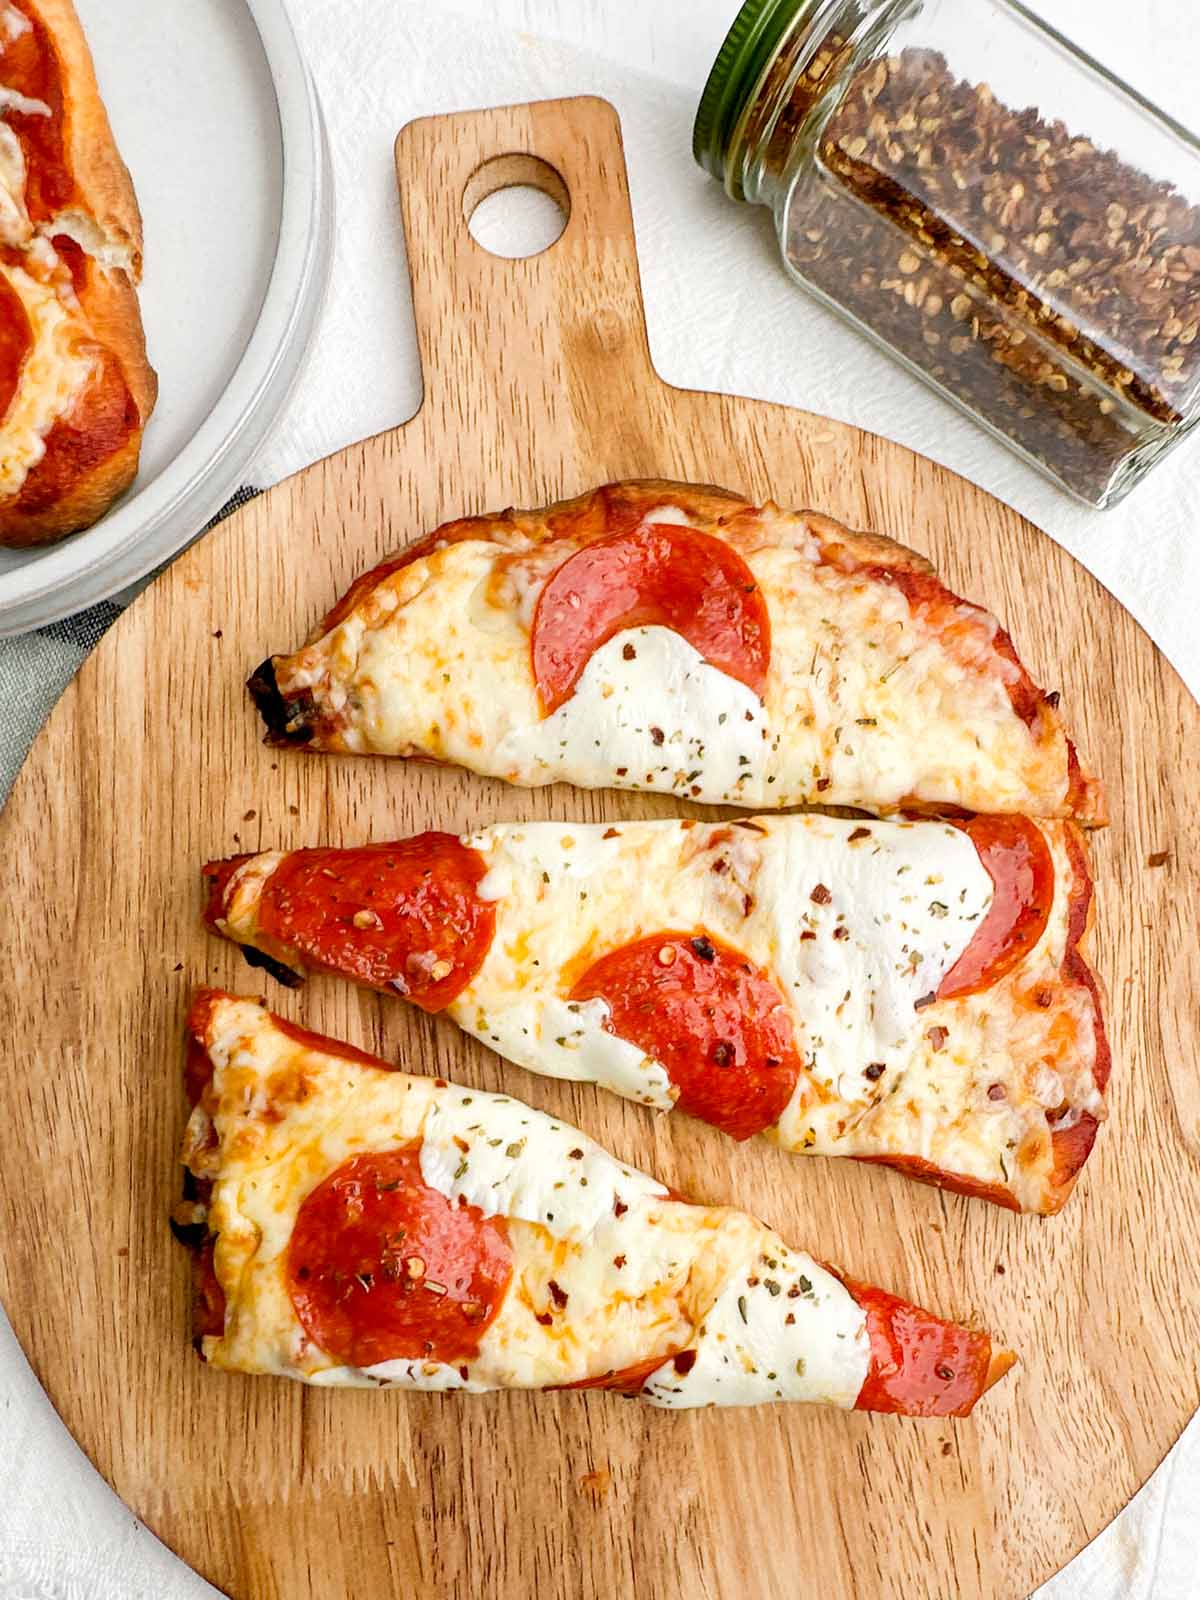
{"x": 648, "y": 712}
{"x": 56, "y": 370}
{"x": 788, "y": 1330}
{"x": 92, "y": 239}
{"x": 10, "y": 100}
{"x": 520, "y": 1163}
{"x": 894, "y": 910}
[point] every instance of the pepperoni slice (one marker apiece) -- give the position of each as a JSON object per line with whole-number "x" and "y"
{"x": 921, "y": 1366}
{"x": 402, "y": 917}
{"x": 98, "y": 424}
{"x": 716, "y": 1023}
{"x": 383, "y": 1268}
{"x": 16, "y": 336}
{"x": 1019, "y": 863}
{"x": 31, "y": 68}
{"x": 662, "y": 574}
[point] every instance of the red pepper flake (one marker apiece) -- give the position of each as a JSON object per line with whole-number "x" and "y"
{"x": 576, "y": 1154}
{"x": 618, "y": 1262}
{"x": 557, "y": 1294}
{"x": 629, "y": 653}
{"x": 611, "y": 833}
{"x": 619, "y": 1206}
{"x": 807, "y": 934}
{"x": 841, "y": 931}
{"x": 657, "y": 735}
{"x": 997, "y": 1091}
{"x": 544, "y": 1318}
{"x": 937, "y": 1037}
{"x": 859, "y": 833}
{"x": 875, "y": 1070}
{"x": 823, "y": 784}
{"x": 684, "y": 1362}
{"x": 820, "y": 895}
{"x": 1158, "y": 859}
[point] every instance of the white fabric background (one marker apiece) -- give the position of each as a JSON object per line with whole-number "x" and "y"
{"x": 721, "y": 316}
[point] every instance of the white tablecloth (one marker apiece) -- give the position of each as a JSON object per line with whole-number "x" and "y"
{"x": 721, "y": 316}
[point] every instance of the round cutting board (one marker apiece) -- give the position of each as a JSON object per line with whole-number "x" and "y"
{"x": 538, "y": 385}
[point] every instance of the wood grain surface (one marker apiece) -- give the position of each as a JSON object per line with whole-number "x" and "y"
{"x": 538, "y": 385}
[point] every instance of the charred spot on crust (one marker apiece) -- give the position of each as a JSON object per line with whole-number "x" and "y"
{"x": 277, "y": 970}
{"x": 196, "y": 1197}
{"x": 288, "y": 721}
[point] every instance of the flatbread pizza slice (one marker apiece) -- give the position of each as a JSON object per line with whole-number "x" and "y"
{"x": 911, "y": 993}
{"x": 354, "y": 1225}
{"x": 661, "y": 636}
{"x": 76, "y": 388}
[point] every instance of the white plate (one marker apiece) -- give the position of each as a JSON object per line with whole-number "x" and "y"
{"x": 216, "y": 116}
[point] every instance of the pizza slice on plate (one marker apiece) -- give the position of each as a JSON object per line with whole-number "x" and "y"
{"x": 910, "y": 993}
{"x": 662, "y": 636}
{"x": 75, "y": 386}
{"x": 354, "y": 1225}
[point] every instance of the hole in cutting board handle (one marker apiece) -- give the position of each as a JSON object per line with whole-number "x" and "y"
{"x": 516, "y": 205}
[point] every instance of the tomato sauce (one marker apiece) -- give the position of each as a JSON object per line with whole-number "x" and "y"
{"x": 99, "y": 423}
{"x": 29, "y": 64}
{"x": 1017, "y": 859}
{"x": 401, "y": 917}
{"x": 664, "y": 575}
{"x": 16, "y": 337}
{"x": 381, "y": 1267}
{"x": 921, "y": 1366}
{"x": 715, "y": 1022}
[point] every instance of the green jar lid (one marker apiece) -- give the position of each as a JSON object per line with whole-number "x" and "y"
{"x": 749, "y": 48}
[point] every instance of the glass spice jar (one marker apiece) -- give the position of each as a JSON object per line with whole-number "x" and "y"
{"x": 988, "y": 204}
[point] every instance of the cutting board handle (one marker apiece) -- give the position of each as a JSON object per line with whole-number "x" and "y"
{"x": 533, "y": 324}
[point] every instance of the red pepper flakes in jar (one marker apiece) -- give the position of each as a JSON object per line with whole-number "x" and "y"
{"x": 1038, "y": 264}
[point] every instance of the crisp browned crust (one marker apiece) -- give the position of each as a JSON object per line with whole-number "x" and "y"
{"x": 106, "y": 189}
{"x": 107, "y": 296}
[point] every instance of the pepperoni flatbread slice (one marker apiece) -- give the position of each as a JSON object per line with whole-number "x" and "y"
{"x": 910, "y": 993}
{"x": 662, "y": 636}
{"x": 362, "y": 1227}
{"x": 75, "y": 386}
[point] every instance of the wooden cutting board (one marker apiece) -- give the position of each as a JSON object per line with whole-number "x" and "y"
{"x": 538, "y": 384}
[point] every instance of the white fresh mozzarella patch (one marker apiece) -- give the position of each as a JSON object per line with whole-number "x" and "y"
{"x": 568, "y": 1039}
{"x": 520, "y": 1163}
{"x": 747, "y": 1351}
{"x": 910, "y": 898}
{"x": 649, "y": 704}
{"x": 55, "y": 370}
